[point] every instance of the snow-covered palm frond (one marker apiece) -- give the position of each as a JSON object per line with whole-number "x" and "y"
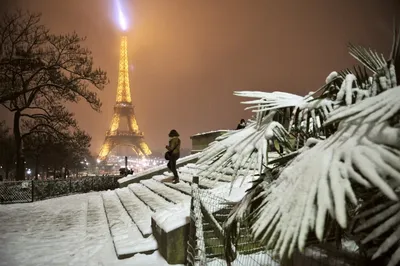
{"x": 362, "y": 78}
{"x": 310, "y": 111}
{"x": 240, "y": 214}
{"x": 318, "y": 180}
{"x": 363, "y": 151}
{"x": 247, "y": 204}
{"x": 304, "y": 114}
{"x": 243, "y": 149}
{"x": 394, "y": 57}
{"x": 369, "y": 58}
{"x": 384, "y": 71}
{"x": 379, "y": 222}
{"x": 271, "y": 100}
{"x": 377, "y": 109}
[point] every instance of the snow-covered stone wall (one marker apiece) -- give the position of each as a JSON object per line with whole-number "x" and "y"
{"x": 202, "y": 140}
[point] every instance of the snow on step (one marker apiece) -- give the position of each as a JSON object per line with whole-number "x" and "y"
{"x": 180, "y": 161}
{"x": 224, "y": 175}
{"x": 168, "y": 174}
{"x": 96, "y": 221}
{"x": 139, "y": 212}
{"x": 127, "y": 238}
{"x": 166, "y": 192}
{"x": 203, "y": 181}
{"x": 161, "y": 178}
{"x": 181, "y": 186}
{"x": 97, "y": 232}
{"x": 154, "y": 201}
{"x": 192, "y": 170}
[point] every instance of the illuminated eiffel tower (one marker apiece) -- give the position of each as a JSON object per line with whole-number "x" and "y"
{"x": 124, "y": 109}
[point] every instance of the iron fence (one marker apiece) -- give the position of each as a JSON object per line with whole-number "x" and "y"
{"x": 207, "y": 244}
{"x": 207, "y": 240}
{"x": 34, "y": 190}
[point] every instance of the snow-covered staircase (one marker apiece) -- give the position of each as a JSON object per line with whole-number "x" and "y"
{"x": 128, "y": 210}
{"x": 127, "y": 238}
{"x": 158, "y": 170}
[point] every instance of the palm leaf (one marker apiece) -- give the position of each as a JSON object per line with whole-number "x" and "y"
{"x": 362, "y": 152}
{"x": 270, "y": 100}
{"x": 316, "y": 106}
{"x": 380, "y": 108}
{"x": 381, "y": 223}
{"x": 395, "y": 51}
{"x": 371, "y": 59}
{"x": 318, "y": 179}
{"x": 241, "y": 213}
{"x": 362, "y": 77}
{"x": 240, "y": 150}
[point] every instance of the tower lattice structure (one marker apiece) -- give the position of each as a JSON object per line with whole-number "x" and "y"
{"x": 123, "y": 108}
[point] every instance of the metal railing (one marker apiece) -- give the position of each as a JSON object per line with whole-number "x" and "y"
{"x": 34, "y": 190}
{"x": 207, "y": 241}
{"x": 209, "y": 245}
{"x": 122, "y": 133}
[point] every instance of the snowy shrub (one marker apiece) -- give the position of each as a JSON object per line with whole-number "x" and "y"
{"x": 365, "y": 149}
{"x": 246, "y": 148}
{"x": 351, "y": 147}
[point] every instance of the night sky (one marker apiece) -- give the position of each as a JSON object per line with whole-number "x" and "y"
{"x": 189, "y": 56}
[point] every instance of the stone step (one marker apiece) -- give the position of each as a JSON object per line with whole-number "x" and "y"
{"x": 203, "y": 182}
{"x": 151, "y": 199}
{"x": 186, "y": 175}
{"x": 137, "y": 210}
{"x": 207, "y": 226}
{"x": 245, "y": 239}
{"x": 125, "y": 181}
{"x": 127, "y": 238}
{"x": 192, "y": 168}
{"x": 96, "y": 220}
{"x": 215, "y": 247}
{"x": 166, "y": 192}
{"x": 182, "y": 186}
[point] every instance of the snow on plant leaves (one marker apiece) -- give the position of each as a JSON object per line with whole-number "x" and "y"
{"x": 317, "y": 181}
{"x": 271, "y": 100}
{"x": 243, "y": 148}
{"x": 379, "y": 220}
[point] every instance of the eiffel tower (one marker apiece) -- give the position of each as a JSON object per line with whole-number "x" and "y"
{"x": 124, "y": 109}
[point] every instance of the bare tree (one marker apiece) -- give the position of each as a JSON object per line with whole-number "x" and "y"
{"x": 67, "y": 152}
{"x": 7, "y": 149}
{"x": 39, "y": 73}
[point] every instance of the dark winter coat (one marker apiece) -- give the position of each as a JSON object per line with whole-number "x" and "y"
{"x": 240, "y": 126}
{"x": 174, "y": 145}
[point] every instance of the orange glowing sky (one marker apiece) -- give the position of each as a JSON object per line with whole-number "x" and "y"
{"x": 189, "y": 56}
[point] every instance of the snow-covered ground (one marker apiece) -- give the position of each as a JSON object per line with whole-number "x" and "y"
{"x": 92, "y": 228}
{"x": 62, "y": 231}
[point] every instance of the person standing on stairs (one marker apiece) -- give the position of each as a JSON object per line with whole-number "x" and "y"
{"x": 241, "y": 125}
{"x": 173, "y": 153}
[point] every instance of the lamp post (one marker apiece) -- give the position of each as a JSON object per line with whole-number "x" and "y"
{"x": 98, "y": 167}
